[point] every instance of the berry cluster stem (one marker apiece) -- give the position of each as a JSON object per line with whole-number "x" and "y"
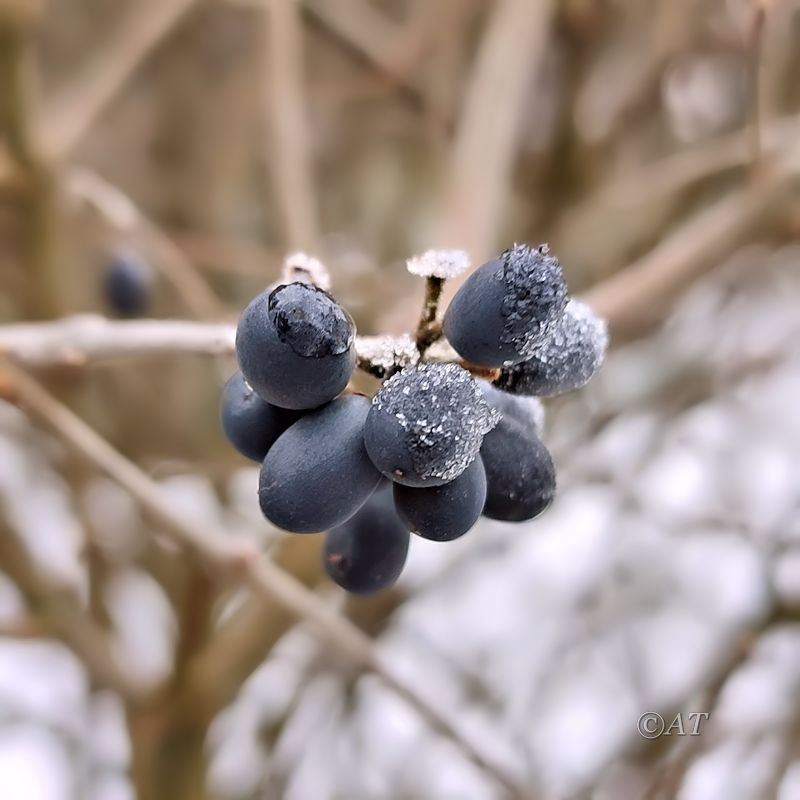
{"x": 429, "y": 329}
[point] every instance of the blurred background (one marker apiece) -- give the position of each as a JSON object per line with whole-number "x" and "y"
{"x": 655, "y": 146}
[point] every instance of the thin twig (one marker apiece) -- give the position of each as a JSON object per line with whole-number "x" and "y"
{"x": 241, "y": 563}
{"x": 429, "y": 329}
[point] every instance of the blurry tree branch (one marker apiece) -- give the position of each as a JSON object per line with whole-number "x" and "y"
{"x": 122, "y": 215}
{"x": 240, "y": 563}
{"x": 288, "y": 150}
{"x": 57, "y": 610}
{"x": 488, "y": 128}
{"x": 26, "y": 156}
{"x": 75, "y": 108}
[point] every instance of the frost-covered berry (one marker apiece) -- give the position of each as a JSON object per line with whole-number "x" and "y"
{"x": 506, "y": 306}
{"x": 296, "y": 346}
{"x": 563, "y": 361}
{"x": 426, "y": 424}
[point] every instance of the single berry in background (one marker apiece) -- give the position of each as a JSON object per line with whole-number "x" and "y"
{"x": 296, "y": 346}
{"x": 528, "y": 411}
{"x": 251, "y": 424}
{"x": 128, "y": 284}
{"x": 564, "y": 360}
{"x": 442, "y": 513}
{"x": 367, "y": 553}
{"x": 520, "y": 475}
{"x": 426, "y": 424}
{"x": 506, "y": 306}
{"x": 318, "y": 474}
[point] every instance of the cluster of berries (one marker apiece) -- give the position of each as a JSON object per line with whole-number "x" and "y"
{"x": 435, "y": 448}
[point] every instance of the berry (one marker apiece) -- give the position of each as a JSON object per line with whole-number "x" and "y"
{"x": 442, "y": 513}
{"x": 520, "y": 476}
{"x": 528, "y": 411}
{"x": 251, "y": 425}
{"x": 367, "y": 553}
{"x": 565, "y": 360}
{"x": 506, "y": 306}
{"x": 296, "y": 346}
{"x": 318, "y": 474}
{"x": 127, "y": 285}
{"x": 426, "y": 424}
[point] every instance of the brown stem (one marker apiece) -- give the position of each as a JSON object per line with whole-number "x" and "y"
{"x": 429, "y": 329}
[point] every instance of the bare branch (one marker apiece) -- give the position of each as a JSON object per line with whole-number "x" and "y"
{"x": 488, "y": 128}
{"x": 288, "y": 149}
{"x": 59, "y": 614}
{"x": 240, "y": 562}
{"x": 123, "y": 216}
{"x": 76, "y": 107}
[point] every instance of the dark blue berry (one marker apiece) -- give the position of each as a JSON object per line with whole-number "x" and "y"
{"x": 318, "y": 474}
{"x": 506, "y": 306}
{"x": 296, "y": 346}
{"x": 367, "y": 553}
{"x": 520, "y": 475}
{"x": 564, "y": 360}
{"x": 251, "y": 425}
{"x": 426, "y": 424}
{"x": 442, "y": 513}
{"x": 127, "y": 285}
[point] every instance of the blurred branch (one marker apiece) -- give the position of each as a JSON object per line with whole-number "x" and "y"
{"x": 288, "y": 152}
{"x": 76, "y": 107}
{"x": 26, "y": 157}
{"x": 122, "y": 214}
{"x": 488, "y": 129}
{"x": 242, "y": 564}
{"x": 638, "y": 295}
{"x": 81, "y": 339}
{"x": 56, "y": 609}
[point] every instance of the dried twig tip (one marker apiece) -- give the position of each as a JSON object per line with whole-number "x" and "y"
{"x": 439, "y": 263}
{"x": 306, "y": 269}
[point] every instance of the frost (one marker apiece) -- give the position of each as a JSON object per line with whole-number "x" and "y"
{"x": 388, "y": 353}
{"x": 310, "y": 321}
{"x": 444, "y": 414}
{"x": 306, "y": 269}
{"x": 565, "y": 359}
{"x": 535, "y": 295}
{"x": 439, "y": 263}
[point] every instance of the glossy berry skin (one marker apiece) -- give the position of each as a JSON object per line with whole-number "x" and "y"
{"x": 367, "y": 553}
{"x": 442, "y": 513}
{"x": 564, "y": 360}
{"x": 426, "y": 424}
{"x": 318, "y": 474}
{"x": 296, "y": 346}
{"x": 505, "y": 306}
{"x": 520, "y": 475}
{"x": 250, "y": 424}
{"x": 127, "y": 285}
